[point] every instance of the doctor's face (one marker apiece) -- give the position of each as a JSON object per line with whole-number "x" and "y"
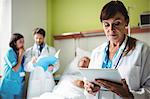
{"x": 39, "y": 39}
{"x": 114, "y": 28}
{"x": 20, "y": 43}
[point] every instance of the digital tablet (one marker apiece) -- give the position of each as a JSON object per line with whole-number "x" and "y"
{"x": 107, "y": 74}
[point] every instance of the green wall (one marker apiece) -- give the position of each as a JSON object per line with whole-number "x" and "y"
{"x": 83, "y": 15}
{"x": 49, "y": 22}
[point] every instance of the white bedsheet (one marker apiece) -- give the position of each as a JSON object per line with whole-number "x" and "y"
{"x": 49, "y": 95}
{"x": 65, "y": 89}
{"x": 39, "y": 82}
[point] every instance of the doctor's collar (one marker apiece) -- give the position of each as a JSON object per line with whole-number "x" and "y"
{"x": 41, "y": 45}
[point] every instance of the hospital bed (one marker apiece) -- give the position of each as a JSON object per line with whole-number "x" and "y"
{"x": 73, "y": 48}
{"x": 66, "y": 89}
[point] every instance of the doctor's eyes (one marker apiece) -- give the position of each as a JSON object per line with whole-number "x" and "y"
{"x": 115, "y": 24}
{"x": 20, "y": 41}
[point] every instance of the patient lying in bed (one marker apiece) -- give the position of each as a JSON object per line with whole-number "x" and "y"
{"x": 70, "y": 85}
{"x": 83, "y": 63}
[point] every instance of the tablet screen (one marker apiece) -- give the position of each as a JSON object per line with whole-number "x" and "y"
{"x": 108, "y": 74}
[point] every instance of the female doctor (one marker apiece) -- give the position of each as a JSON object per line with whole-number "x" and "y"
{"x": 130, "y": 56}
{"x": 12, "y": 83}
{"x": 38, "y": 50}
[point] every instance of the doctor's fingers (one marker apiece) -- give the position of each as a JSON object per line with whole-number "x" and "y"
{"x": 89, "y": 87}
{"x": 33, "y": 60}
{"x": 93, "y": 93}
{"x": 90, "y": 91}
{"x": 88, "y": 84}
{"x": 108, "y": 84}
{"x": 104, "y": 83}
{"x": 125, "y": 84}
{"x": 21, "y": 51}
{"x": 119, "y": 89}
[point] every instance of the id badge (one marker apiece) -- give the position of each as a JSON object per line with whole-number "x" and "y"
{"x": 22, "y": 74}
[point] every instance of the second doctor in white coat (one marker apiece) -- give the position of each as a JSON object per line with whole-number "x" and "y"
{"x": 130, "y": 56}
{"x": 40, "y": 81}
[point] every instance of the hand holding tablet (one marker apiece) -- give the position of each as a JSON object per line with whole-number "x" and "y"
{"x": 106, "y": 74}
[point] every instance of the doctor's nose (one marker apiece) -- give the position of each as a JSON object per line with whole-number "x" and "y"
{"x": 37, "y": 40}
{"x": 112, "y": 27}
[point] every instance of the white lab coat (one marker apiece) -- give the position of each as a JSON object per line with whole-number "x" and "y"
{"x": 35, "y": 75}
{"x": 134, "y": 67}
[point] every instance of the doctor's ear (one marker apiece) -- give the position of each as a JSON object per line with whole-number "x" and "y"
{"x": 127, "y": 22}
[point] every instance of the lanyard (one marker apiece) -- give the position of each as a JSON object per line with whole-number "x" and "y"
{"x": 122, "y": 53}
{"x": 38, "y": 51}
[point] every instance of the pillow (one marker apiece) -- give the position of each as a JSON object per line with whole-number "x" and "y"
{"x": 81, "y": 53}
{"x": 73, "y": 66}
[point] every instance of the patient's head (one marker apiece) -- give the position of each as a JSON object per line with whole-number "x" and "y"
{"x": 84, "y": 62}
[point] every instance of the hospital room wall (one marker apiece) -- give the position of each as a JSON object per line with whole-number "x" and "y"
{"x": 83, "y": 15}
{"x": 5, "y": 27}
{"x": 27, "y": 15}
{"x": 49, "y": 22}
{"x": 20, "y": 16}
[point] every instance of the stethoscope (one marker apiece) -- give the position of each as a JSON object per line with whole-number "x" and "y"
{"x": 116, "y": 65}
{"x": 39, "y": 53}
